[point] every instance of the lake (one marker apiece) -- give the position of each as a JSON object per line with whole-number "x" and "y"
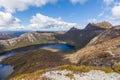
{"x": 6, "y": 69}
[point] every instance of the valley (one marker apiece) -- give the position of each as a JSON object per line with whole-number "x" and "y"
{"x": 96, "y": 47}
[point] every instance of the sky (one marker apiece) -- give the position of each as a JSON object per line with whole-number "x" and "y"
{"x": 56, "y": 15}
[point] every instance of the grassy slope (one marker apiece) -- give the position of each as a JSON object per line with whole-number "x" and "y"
{"x": 98, "y": 55}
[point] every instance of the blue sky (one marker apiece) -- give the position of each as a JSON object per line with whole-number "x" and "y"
{"x": 56, "y": 14}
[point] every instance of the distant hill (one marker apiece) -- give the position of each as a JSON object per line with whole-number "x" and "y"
{"x": 7, "y": 35}
{"x": 27, "y": 39}
{"x": 10, "y": 34}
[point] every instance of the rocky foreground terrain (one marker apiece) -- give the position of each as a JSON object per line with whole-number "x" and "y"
{"x": 69, "y": 75}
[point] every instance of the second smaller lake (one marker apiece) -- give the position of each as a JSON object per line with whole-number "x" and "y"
{"x": 5, "y": 70}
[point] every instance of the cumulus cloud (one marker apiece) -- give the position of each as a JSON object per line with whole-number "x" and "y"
{"x": 20, "y": 5}
{"x": 78, "y": 1}
{"x": 116, "y": 11}
{"x": 108, "y": 2}
{"x": 9, "y": 22}
{"x": 37, "y": 22}
{"x": 41, "y": 22}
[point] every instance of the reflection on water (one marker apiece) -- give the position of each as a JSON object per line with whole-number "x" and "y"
{"x": 5, "y": 70}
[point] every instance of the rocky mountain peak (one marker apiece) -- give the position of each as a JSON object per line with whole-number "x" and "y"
{"x": 92, "y": 26}
{"x": 73, "y": 28}
{"x": 96, "y": 26}
{"x": 104, "y": 24}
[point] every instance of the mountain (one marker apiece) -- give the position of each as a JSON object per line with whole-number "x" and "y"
{"x": 30, "y": 38}
{"x": 103, "y": 50}
{"x": 7, "y": 35}
{"x": 81, "y": 37}
{"x": 10, "y": 34}
{"x": 76, "y": 37}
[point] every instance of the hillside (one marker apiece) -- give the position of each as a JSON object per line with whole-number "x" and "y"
{"x": 103, "y": 50}
{"x": 27, "y": 39}
{"x": 106, "y": 35}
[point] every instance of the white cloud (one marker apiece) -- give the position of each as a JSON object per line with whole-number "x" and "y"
{"x": 78, "y": 1}
{"x": 41, "y": 22}
{"x": 20, "y": 5}
{"x": 37, "y": 22}
{"x": 108, "y": 2}
{"x": 9, "y": 22}
{"x": 116, "y": 12}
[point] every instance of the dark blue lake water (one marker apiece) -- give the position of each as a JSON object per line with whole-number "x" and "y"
{"x": 6, "y": 70}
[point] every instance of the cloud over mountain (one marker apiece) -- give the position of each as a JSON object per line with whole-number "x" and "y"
{"x": 43, "y": 22}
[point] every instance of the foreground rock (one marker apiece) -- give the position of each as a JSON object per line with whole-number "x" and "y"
{"x": 69, "y": 75}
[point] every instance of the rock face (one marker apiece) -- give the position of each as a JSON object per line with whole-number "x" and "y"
{"x": 81, "y": 37}
{"x": 103, "y": 50}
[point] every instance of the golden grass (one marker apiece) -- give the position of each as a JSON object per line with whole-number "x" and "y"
{"x": 84, "y": 68}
